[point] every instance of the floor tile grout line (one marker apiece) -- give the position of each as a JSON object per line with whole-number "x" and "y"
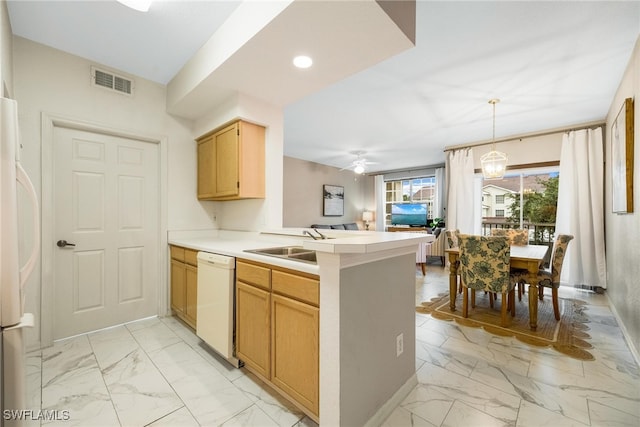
{"x": 104, "y": 381}
{"x": 184, "y": 404}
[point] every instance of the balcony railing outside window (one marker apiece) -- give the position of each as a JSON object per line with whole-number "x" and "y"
{"x": 539, "y": 233}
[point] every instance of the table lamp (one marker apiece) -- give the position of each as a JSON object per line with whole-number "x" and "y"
{"x": 366, "y": 217}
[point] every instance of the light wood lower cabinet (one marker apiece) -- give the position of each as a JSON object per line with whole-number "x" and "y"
{"x": 294, "y": 350}
{"x": 191, "y": 295}
{"x": 184, "y": 284}
{"x": 253, "y": 327}
{"x": 277, "y": 330}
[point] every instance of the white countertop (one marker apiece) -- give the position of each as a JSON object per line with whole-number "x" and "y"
{"x": 234, "y": 243}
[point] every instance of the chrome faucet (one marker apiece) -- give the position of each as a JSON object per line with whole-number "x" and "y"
{"x": 308, "y": 233}
{"x": 322, "y": 236}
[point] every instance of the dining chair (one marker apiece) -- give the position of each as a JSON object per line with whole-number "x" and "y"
{"x": 517, "y": 237}
{"x": 421, "y": 253}
{"x": 452, "y": 238}
{"x": 484, "y": 265}
{"x": 550, "y": 277}
{"x": 452, "y": 243}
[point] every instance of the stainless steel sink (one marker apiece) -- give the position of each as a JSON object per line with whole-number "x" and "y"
{"x": 283, "y": 251}
{"x": 294, "y": 253}
{"x": 305, "y": 256}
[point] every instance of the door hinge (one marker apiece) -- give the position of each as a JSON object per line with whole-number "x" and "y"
{"x": 238, "y": 184}
{"x": 238, "y": 131}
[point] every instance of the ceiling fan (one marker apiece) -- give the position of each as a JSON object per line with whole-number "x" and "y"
{"x": 359, "y": 165}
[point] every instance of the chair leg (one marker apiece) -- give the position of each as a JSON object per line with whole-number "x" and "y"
{"x": 512, "y": 302}
{"x": 491, "y": 297}
{"x": 520, "y": 290}
{"x": 473, "y": 297}
{"x": 465, "y": 302}
{"x": 554, "y": 297}
{"x": 423, "y": 265}
{"x": 442, "y": 260}
{"x": 541, "y": 292}
{"x": 503, "y": 310}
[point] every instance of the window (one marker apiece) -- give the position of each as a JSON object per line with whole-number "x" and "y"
{"x": 522, "y": 199}
{"x": 411, "y": 191}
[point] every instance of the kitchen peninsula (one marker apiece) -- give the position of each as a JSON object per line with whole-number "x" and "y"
{"x": 366, "y": 311}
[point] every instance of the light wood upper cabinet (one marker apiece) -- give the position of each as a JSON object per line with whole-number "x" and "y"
{"x": 231, "y": 162}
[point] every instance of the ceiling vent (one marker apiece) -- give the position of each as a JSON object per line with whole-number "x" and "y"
{"x": 111, "y": 81}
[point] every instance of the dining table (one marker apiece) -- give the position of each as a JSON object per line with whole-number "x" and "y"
{"x": 526, "y": 257}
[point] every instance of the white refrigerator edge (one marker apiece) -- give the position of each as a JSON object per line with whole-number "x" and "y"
{"x": 13, "y": 277}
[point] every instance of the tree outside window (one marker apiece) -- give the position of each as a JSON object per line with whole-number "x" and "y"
{"x": 539, "y": 207}
{"x": 539, "y": 189}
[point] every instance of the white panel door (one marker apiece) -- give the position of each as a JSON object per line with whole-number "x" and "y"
{"x": 106, "y": 203}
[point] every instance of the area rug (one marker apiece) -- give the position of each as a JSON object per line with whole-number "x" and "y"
{"x": 567, "y": 336}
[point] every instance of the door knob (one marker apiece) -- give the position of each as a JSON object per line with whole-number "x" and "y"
{"x": 63, "y": 243}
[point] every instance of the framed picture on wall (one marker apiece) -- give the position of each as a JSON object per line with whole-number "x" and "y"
{"x": 332, "y": 200}
{"x": 622, "y": 159}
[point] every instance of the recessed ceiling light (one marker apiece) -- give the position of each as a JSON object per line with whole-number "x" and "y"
{"x": 139, "y": 5}
{"x": 302, "y": 61}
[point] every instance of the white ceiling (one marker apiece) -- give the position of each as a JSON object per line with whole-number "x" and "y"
{"x": 553, "y": 64}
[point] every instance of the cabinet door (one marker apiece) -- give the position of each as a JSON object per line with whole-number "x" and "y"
{"x": 295, "y": 350}
{"x": 226, "y": 162}
{"x": 253, "y": 328}
{"x": 178, "y": 286}
{"x": 191, "y": 295}
{"x": 206, "y": 168}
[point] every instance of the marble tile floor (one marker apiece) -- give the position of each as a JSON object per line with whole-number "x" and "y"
{"x": 156, "y": 372}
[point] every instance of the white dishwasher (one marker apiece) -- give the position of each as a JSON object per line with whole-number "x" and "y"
{"x": 215, "y": 320}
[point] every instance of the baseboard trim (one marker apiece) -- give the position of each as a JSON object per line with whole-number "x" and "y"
{"x": 390, "y": 405}
{"x": 625, "y": 333}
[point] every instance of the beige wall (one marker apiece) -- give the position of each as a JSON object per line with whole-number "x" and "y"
{"x": 623, "y": 231}
{"x": 302, "y": 198}
{"x": 525, "y": 150}
{"x": 6, "y": 42}
{"x": 48, "y": 81}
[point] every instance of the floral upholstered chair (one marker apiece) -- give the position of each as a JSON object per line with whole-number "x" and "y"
{"x": 550, "y": 278}
{"x": 484, "y": 265}
{"x": 452, "y": 243}
{"x": 517, "y": 237}
{"x": 452, "y": 238}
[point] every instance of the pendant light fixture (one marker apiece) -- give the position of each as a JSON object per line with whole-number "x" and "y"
{"x": 494, "y": 163}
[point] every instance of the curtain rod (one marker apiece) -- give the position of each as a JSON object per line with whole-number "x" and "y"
{"x": 413, "y": 169}
{"x": 527, "y": 135}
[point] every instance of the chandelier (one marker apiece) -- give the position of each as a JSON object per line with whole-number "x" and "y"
{"x": 494, "y": 163}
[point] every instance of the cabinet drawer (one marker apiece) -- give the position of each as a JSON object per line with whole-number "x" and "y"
{"x": 300, "y": 288}
{"x": 177, "y": 253}
{"x": 253, "y": 274}
{"x": 191, "y": 257}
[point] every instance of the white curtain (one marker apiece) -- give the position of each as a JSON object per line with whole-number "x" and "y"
{"x": 438, "y": 197}
{"x": 380, "y": 198}
{"x": 581, "y": 207}
{"x": 461, "y": 206}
